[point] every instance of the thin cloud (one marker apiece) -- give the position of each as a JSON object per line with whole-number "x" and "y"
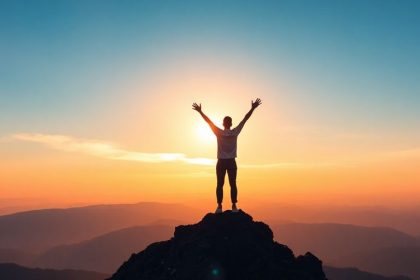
{"x": 273, "y": 165}
{"x": 287, "y": 165}
{"x": 110, "y": 151}
{"x": 106, "y": 150}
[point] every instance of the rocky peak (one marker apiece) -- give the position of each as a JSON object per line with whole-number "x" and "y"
{"x": 226, "y": 246}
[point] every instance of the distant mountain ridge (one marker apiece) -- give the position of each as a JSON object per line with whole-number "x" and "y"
{"x": 405, "y": 220}
{"x": 327, "y": 238}
{"x": 10, "y": 271}
{"x": 334, "y": 273}
{"x": 17, "y": 256}
{"x": 375, "y": 249}
{"x": 39, "y": 230}
{"x": 105, "y": 252}
{"x": 386, "y": 261}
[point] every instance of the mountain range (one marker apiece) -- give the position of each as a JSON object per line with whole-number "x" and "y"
{"x": 10, "y": 271}
{"x": 38, "y": 230}
{"x": 378, "y": 250}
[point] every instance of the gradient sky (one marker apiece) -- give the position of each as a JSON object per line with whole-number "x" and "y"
{"x": 95, "y": 100}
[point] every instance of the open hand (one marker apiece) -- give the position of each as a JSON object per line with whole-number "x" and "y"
{"x": 196, "y": 107}
{"x": 255, "y": 103}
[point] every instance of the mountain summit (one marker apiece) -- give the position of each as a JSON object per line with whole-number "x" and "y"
{"x": 226, "y": 246}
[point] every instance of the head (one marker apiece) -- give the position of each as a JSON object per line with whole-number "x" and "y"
{"x": 227, "y": 122}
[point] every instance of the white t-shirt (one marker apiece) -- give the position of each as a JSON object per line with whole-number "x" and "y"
{"x": 227, "y": 141}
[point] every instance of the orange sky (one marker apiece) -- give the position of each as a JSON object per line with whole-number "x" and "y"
{"x": 41, "y": 171}
{"x": 280, "y": 158}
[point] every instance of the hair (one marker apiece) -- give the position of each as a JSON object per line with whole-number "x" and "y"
{"x": 227, "y": 119}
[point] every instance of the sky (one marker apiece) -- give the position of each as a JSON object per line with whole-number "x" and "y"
{"x": 95, "y": 101}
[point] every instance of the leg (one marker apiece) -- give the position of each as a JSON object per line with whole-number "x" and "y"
{"x": 232, "y": 172}
{"x": 220, "y": 172}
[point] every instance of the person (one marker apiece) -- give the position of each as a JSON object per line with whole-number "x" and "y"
{"x": 226, "y": 153}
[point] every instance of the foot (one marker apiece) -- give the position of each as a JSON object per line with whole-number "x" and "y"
{"x": 218, "y": 209}
{"x": 234, "y": 208}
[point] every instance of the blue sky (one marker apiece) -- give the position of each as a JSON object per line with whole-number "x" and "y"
{"x": 351, "y": 63}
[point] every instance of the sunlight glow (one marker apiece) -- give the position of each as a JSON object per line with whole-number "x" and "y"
{"x": 204, "y": 133}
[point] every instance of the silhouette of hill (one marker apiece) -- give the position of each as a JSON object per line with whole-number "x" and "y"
{"x": 332, "y": 241}
{"x": 334, "y": 273}
{"x": 11, "y": 271}
{"x": 16, "y": 256}
{"x": 221, "y": 246}
{"x": 375, "y": 249}
{"x": 386, "y": 261}
{"x": 39, "y": 230}
{"x": 104, "y": 253}
{"x": 405, "y": 220}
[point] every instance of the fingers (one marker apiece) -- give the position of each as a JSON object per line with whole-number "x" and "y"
{"x": 256, "y": 103}
{"x": 196, "y": 107}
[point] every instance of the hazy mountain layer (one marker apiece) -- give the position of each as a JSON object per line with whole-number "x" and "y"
{"x": 39, "y": 230}
{"x": 104, "y": 253}
{"x": 10, "y": 271}
{"x": 380, "y": 250}
{"x": 334, "y": 273}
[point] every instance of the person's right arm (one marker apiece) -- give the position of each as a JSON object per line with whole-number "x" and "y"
{"x": 197, "y": 108}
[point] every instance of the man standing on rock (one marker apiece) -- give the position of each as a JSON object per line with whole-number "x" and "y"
{"x": 226, "y": 153}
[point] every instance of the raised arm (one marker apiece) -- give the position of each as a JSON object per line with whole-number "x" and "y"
{"x": 254, "y": 105}
{"x": 213, "y": 127}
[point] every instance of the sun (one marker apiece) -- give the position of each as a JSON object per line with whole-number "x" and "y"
{"x": 204, "y": 133}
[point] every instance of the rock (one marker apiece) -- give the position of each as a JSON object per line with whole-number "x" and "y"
{"x": 226, "y": 246}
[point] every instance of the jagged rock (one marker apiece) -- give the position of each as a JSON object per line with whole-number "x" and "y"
{"x": 226, "y": 246}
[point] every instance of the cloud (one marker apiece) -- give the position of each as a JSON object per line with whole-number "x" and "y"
{"x": 106, "y": 150}
{"x": 288, "y": 165}
{"x": 110, "y": 151}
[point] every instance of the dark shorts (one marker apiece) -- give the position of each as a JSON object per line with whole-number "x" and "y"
{"x": 226, "y": 164}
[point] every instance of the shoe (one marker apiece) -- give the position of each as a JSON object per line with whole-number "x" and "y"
{"x": 218, "y": 210}
{"x": 234, "y": 208}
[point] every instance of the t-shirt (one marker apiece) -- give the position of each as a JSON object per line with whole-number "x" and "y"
{"x": 227, "y": 141}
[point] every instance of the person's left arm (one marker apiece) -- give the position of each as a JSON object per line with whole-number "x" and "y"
{"x": 254, "y": 105}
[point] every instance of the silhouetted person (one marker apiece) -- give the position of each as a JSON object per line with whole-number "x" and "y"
{"x": 226, "y": 153}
